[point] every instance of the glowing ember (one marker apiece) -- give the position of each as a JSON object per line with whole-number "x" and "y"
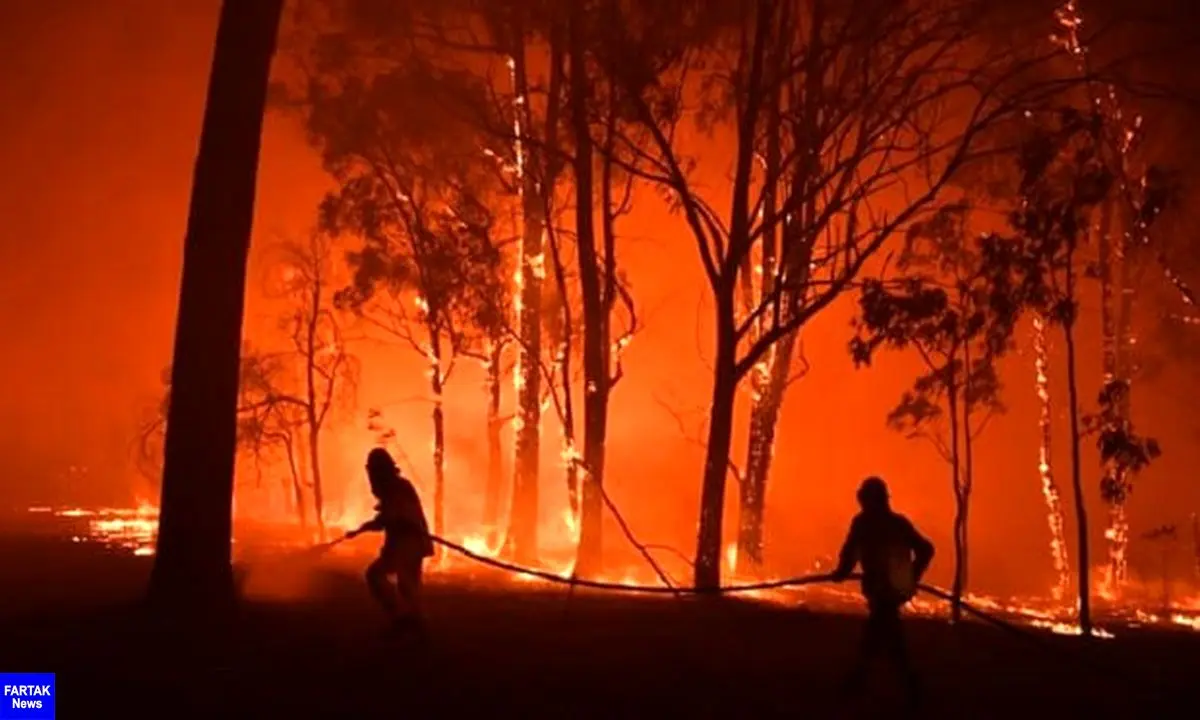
{"x": 1063, "y": 628}
{"x": 1186, "y": 621}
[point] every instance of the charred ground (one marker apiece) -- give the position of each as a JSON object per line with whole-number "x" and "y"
{"x": 533, "y": 651}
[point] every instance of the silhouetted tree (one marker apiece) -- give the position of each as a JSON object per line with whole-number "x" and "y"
{"x": 274, "y": 422}
{"x": 954, "y": 308}
{"x": 192, "y": 563}
{"x": 271, "y": 430}
{"x": 601, "y": 166}
{"x": 422, "y": 197}
{"x": 483, "y": 62}
{"x": 1064, "y": 178}
{"x": 1123, "y": 453}
{"x": 865, "y": 87}
{"x": 317, "y": 350}
{"x": 1124, "y": 244}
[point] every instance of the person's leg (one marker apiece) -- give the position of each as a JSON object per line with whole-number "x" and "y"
{"x": 408, "y": 580}
{"x": 867, "y": 649}
{"x": 381, "y": 588}
{"x": 897, "y": 649}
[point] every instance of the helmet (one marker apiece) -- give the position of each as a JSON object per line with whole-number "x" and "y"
{"x": 381, "y": 471}
{"x": 873, "y": 493}
{"x": 379, "y": 460}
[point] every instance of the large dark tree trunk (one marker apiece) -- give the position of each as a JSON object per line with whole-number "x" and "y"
{"x": 726, "y": 373}
{"x": 968, "y": 469}
{"x": 192, "y": 565}
{"x": 720, "y": 436}
{"x": 595, "y": 314}
{"x": 956, "y": 587}
{"x": 767, "y": 383}
{"x": 1085, "y": 605}
{"x": 311, "y": 407}
{"x": 770, "y": 380}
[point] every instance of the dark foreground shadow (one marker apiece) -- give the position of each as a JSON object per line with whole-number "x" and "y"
{"x": 520, "y": 651}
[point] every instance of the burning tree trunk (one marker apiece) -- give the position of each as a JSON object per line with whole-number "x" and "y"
{"x": 309, "y": 350}
{"x": 1125, "y": 366}
{"x": 192, "y": 563}
{"x": 560, "y": 332}
{"x": 770, "y": 378}
{"x": 521, "y": 543}
{"x": 764, "y": 417}
{"x": 1118, "y": 529}
{"x": 495, "y": 477}
{"x": 437, "y": 378}
{"x": 1058, "y": 542}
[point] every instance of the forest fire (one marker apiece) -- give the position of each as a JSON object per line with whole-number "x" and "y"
{"x": 725, "y": 323}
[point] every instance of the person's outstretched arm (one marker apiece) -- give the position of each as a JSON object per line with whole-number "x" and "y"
{"x": 922, "y": 552}
{"x": 375, "y": 524}
{"x": 848, "y": 557}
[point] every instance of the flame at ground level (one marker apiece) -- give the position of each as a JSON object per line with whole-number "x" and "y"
{"x": 134, "y": 530}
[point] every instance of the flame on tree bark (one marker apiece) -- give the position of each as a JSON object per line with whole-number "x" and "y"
{"x": 536, "y": 189}
{"x": 598, "y": 285}
{"x": 1070, "y": 21}
{"x": 1063, "y": 180}
{"x": 494, "y": 489}
{"x": 422, "y": 198}
{"x": 772, "y": 376}
{"x": 1139, "y": 197}
{"x": 1117, "y": 530}
{"x": 192, "y": 562}
{"x": 1050, "y": 491}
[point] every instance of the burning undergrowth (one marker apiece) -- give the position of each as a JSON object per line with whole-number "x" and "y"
{"x": 273, "y": 566}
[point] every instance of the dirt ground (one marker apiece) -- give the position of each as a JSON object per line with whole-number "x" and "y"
{"x": 518, "y": 651}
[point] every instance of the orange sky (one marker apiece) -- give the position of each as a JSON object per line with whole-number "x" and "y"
{"x": 105, "y": 104}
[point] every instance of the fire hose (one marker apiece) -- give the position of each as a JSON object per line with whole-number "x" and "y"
{"x": 574, "y": 581}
